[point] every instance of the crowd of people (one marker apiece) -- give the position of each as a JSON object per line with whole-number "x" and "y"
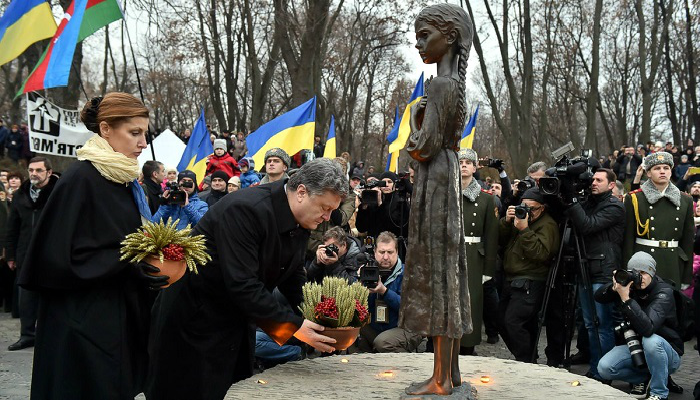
{"x": 304, "y": 217}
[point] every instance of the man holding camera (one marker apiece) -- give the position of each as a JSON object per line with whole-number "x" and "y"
{"x": 600, "y": 221}
{"x": 182, "y": 203}
{"x": 659, "y": 221}
{"x": 649, "y": 310}
{"x": 335, "y": 257}
{"x": 383, "y": 335}
{"x": 626, "y": 165}
{"x": 532, "y": 237}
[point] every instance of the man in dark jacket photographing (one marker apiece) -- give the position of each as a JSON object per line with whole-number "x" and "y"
{"x": 600, "y": 220}
{"x": 649, "y": 307}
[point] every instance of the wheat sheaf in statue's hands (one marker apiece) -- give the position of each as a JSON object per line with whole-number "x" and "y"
{"x": 164, "y": 242}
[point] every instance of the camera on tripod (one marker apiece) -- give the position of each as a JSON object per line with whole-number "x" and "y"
{"x": 570, "y": 178}
{"x": 634, "y": 343}
{"x": 177, "y": 196}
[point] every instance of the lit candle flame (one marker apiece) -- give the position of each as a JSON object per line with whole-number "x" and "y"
{"x": 575, "y": 383}
{"x": 386, "y": 374}
{"x": 262, "y": 382}
{"x": 344, "y": 360}
{"x": 485, "y": 379}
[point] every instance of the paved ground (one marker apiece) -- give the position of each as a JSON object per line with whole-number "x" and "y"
{"x": 15, "y": 367}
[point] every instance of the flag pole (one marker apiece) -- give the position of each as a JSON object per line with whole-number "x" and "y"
{"x": 138, "y": 81}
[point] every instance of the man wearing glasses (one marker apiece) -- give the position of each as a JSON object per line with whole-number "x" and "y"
{"x": 27, "y": 204}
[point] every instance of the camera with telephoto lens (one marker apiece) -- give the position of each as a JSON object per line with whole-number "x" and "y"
{"x": 331, "y": 250}
{"x": 522, "y": 211}
{"x": 369, "y": 197}
{"x": 624, "y": 277}
{"x": 177, "y": 196}
{"x": 569, "y": 178}
{"x": 634, "y": 343}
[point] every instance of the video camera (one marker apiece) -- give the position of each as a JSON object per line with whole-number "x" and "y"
{"x": 525, "y": 184}
{"x": 570, "y": 178}
{"x": 369, "y": 270}
{"x": 369, "y": 197}
{"x": 177, "y": 196}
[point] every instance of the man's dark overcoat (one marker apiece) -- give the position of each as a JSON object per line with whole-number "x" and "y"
{"x": 202, "y": 334}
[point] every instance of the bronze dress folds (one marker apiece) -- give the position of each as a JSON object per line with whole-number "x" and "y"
{"x": 435, "y": 291}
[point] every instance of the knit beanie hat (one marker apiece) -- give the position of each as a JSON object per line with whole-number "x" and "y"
{"x": 533, "y": 194}
{"x": 220, "y": 144}
{"x": 188, "y": 174}
{"x": 390, "y": 175}
{"x": 221, "y": 175}
{"x": 642, "y": 261}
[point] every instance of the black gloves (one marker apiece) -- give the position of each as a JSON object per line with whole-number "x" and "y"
{"x": 498, "y": 164}
{"x": 154, "y": 282}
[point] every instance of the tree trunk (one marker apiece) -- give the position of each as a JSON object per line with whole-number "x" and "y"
{"x": 591, "y": 141}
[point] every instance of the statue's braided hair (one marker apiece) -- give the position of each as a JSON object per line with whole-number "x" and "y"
{"x": 446, "y": 18}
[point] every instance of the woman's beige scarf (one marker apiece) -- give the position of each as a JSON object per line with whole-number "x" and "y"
{"x": 112, "y": 165}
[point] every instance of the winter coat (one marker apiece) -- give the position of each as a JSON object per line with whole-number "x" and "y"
{"x": 249, "y": 178}
{"x": 24, "y": 214}
{"x": 188, "y": 215}
{"x": 528, "y": 252}
{"x": 238, "y": 148}
{"x": 4, "y": 133}
{"x": 26, "y": 149}
{"x": 14, "y": 144}
{"x": 621, "y": 166}
{"x": 681, "y": 169}
{"x": 224, "y": 163}
{"x": 153, "y": 193}
{"x": 650, "y": 311}
{"x": 214, "y": 197}
{"x": 600, "y": 221}
{"x": 392, "y": 298}
{"x": 346, "y": 266}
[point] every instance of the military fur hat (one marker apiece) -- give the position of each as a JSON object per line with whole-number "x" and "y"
{"x": 468, "y": 154}
{"x": 658, "y": 158}
{"x": 281, "y": 154}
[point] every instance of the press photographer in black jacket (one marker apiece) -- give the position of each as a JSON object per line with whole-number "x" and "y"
{"x": 648, "y": 305}
{"x": 600, "y": 221}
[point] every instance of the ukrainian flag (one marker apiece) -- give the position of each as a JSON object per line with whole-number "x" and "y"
{"x": 329, "y": 151}
{"x": 404, "y": 126}
{"x": 291, "y": 132}
{"x": 25, "y": 22}
{"x": 392, "y": 136}
{"x": 467, "y": 140}
{"x": 198, "y": 149}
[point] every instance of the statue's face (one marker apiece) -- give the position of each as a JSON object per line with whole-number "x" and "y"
{"x": 431, "y": 43}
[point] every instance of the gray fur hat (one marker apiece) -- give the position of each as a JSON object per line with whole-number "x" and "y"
{"x": 468, "y": 154}
{"x": 281, "y": 154}
{"x": 642, "y": 261}
{"x": 658, "y": 158}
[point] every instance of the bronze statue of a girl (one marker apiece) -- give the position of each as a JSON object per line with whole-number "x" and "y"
{"x": 435, "y": 293}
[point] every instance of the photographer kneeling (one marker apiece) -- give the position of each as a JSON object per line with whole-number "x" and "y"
{"x": 335, "y": 257}
{"x": 382, "y": 334}
{"x": 181, "y": 202}
{"x": 649, "y": 308}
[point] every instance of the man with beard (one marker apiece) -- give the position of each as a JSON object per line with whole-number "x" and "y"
{"x": 27, "y": 204}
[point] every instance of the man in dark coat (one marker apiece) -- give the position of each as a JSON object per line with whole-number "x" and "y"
{"x": 626, "y": 165}
{"x": 27, "y": 204}
{"x": 202, "y": 332}
{"x": 153, "y": 175}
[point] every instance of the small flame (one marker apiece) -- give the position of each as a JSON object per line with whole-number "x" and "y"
{"x": 344, "y": 360}
{"x": 485, "y": 379}
{"x": 386, "y": 374}
{"x": 262, "y": 382}
{"x": 575, "y": 383}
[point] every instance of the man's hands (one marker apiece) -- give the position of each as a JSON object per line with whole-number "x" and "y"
{"x": 521, "y": 224}
{"x": 380, "y": 288}
{"x": 623, "y": 291}
{"x": 323, "y": 258}
{"x": 12, "y": 265}
{"x": 309, "y": 334}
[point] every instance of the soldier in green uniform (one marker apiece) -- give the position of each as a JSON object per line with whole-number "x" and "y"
{"x": 481, "y": 240}
{"x": 659, "y": 221}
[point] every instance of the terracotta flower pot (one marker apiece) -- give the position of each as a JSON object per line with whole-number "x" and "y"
{"x": 344, "y": 337}
{"x": 172, "y": 269}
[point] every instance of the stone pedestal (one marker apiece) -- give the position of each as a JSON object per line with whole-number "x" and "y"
{"x": 386, "y": 376}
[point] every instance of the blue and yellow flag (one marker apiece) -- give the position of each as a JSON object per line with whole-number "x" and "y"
{"x": 25, "y": 22}
{"x": 392, "y": 136}
{"x": 198, "y": 149}
{"x": 329, "y": 151}
{"x": 291, "y": 132}
{"x": 404, "y": 129}
{"x": 467, "y": 140}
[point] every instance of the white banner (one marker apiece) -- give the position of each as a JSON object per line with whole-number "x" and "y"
{"x": 54, "y": 130}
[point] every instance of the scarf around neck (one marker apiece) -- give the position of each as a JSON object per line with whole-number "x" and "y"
{"x": 115, "y": 167}
{"x": 472, "y": 191}
{"x": 672, "y": 193}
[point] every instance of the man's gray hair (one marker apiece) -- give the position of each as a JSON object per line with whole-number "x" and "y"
{"x": 538, "y": 166}
{"x": 320, "y": 176}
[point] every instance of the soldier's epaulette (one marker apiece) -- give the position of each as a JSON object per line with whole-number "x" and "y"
{"x": 486, "y": 191}
{"x": 635, "y": 191}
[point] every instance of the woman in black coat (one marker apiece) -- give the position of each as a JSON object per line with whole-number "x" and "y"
{"x": 92, "y": 326}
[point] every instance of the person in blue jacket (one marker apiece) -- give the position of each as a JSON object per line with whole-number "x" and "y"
{"x": 248, "y": 175}
{"x": 189, "y": 213}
